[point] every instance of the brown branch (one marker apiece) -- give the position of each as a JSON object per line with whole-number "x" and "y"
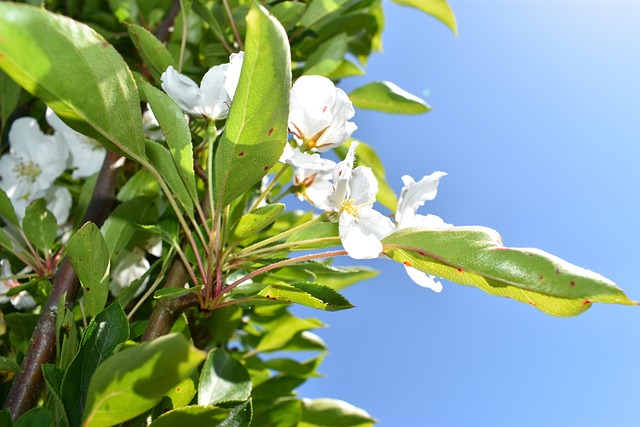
{"x": 162, "y": 32}
{"x": 25, "y": 390}
{"x": 167, "y": 311}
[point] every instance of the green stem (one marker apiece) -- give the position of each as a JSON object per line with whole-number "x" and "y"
{"x": 284, "y": 234}
{"x": 267, "y": 190}
{"x": 285, "y": 246}
{"x": 283, "y": 263}
{"x": 233, "y": 24}
{"x": 183, "y": 42}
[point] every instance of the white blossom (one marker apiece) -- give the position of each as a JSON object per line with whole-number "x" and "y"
{"x": 131, "y": 266}
{"x": 86, "y": 154}
{"x": 413, "y": 196}
{"x": 319, "y": 113}
{"x": 22, "y": 300}
{"x": 360, "y": 226}
{"x": 33, "y": 163}
{"x": 213, "y": 97}
{"x": 311, "y": 177}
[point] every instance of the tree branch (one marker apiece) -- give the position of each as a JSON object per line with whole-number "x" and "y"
{"x": 25, "y": 390}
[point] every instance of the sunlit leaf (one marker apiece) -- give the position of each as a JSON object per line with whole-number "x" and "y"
{"x": 439, "y": 9}
{"x": 257, "y": 129}
{"x": 75, "y": 71}
{"x": 309, "y": 294}
{"x": 388, "y": 98}
{"x": 134, "y": 380}
{"x": 475, "y": 256}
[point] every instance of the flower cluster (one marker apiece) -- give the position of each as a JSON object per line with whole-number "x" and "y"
{"x": 319, "y": 121}
{"x": 35, "y": 160}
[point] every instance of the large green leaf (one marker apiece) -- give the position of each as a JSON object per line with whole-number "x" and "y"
{"x": 318, "y": 10}
{"x": 36, "y": 417}
{"x": 176, "y": 131}
{"x": 75, "y": 71}
{"x": 53, "y": 380}
{"x": 439, "y": 9}
{"x": 134, "y": 380}
{"x": 475, "y": 256}
{"x": 283, "y": 330}
{"x": 333, "y": 413}
{"x": 154, "y": 54}
{"x": 388, "y": 98}
{"x": 106, "y": 331}
{"x": 256, "y": 130}
{"x": 89, "y": 256}
{"x": 223, "y": 380}
{"x": 306, "y": 293}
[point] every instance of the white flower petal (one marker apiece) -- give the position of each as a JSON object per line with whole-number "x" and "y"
{"x": 214, "y": 99}
{"x": 183, "y": 90}
{"x": 373, "y": 222}
{"x": 59, "y": 203}
{"x": 359, "y": 243}
{"x": 430, "y": 222}
{"x": 415, "y": 194}
{"x": 131, "y": 266}
{"x": 233, "y": 73}
{"x": 319, "y": 113}
{"x": 363, "y": 187}
{"x": 423, "y": 279}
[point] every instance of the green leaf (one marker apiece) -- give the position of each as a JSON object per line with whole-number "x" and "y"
{"x": 257, "y": 129}
{"x": 106, "y": 331}
{"x": 6, "y": 209}
{"x": 202, "y": 10}
{"x": 283, "y": 330}
{"x": 134, "y": 380}
{"x": 388, "y": 98}
{"x": 121, "y": 224}
{"x": 36, "y": 417}
{"x": 288, "y": 12}
{"x": 295, "y": 368}
{"x": 76, "y": 72}
{"x": 254, "y": 221}
{"x": 40, "y": 225}
{"x": 9, "y": 97}
{"x": 333, "y": 413}
{"x": 475, "y": 256}
{"x": 346, "y": 68}
{"x": 89, "y": 256}
{"x": 326, "y": 230}
{"x": 142, "y": 184}
{"x": 309, "y": 294}
{"x": 282, "y": 412}
{"x": 191, "y": 416}
{"x": 182, "y": 394}
{"x": 162, "y": 161}
{"x": 177, "y": 134}
{"x": 240, "y": 416}
{"x": 5, "y": 418}
{"x": 53, "y": 379}
{"x": 8, "y": 365}
{"x": 439, "y": 9}
{"x": 154, "y": 54}
{"x": 318, "y": 10}
{"x": 169, "y": 293}
{"x": 22, "y": 324}
{"x": 223, "y": 380}
{"x": 328, "y": 57}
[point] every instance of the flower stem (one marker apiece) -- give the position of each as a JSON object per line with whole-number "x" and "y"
{"x": 233, "y": 24}
{"x": 282, "y": 235}
{"x": 273, "y": 182}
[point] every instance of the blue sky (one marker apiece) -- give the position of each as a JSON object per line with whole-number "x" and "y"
{"x": 537, "y": 122}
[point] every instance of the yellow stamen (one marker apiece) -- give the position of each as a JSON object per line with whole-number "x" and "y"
{"x": 349, "y": 207}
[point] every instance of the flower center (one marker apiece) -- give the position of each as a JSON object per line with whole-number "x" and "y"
{"x": 28, "y": 170}
{"x": 349, "y": 207}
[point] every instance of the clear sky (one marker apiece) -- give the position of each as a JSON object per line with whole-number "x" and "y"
{"x": 536, "y": 120}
